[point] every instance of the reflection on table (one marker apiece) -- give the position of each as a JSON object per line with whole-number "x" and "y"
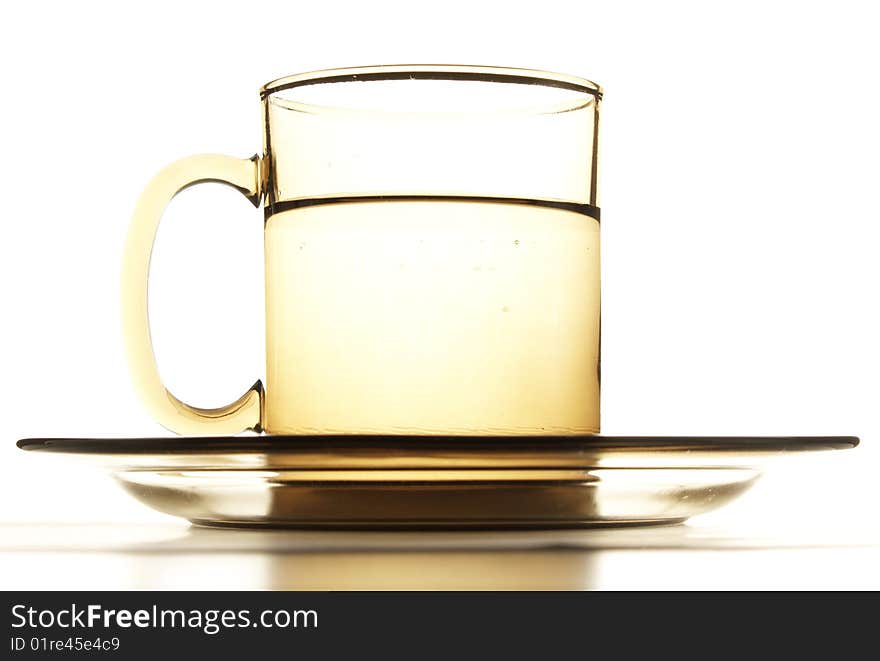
{"x": 181, "y": 557}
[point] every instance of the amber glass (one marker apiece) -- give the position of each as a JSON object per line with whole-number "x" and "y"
{"x": 431, "y": 256}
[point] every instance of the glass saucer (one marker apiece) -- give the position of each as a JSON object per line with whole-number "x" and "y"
{"x": 435, "y": 481}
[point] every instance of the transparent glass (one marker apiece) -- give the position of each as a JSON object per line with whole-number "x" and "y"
{"x": 431, "y": 256}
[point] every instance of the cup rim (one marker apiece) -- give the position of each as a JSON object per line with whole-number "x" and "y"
{"x": 434, "y": 72}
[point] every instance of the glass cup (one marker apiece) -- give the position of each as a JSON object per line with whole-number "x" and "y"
{"x": 431, "y": 256}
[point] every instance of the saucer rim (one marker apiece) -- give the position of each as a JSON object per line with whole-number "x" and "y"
{"x": 285, "y": 443}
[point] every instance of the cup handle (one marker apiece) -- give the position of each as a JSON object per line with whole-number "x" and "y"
{"x": 245, "y": 413}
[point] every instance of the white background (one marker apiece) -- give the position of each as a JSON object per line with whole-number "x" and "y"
{"x": 739, "y": 186}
